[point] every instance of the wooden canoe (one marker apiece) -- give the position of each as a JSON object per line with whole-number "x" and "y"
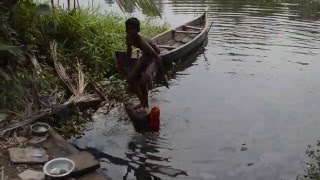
{"x": 174, "y": 43}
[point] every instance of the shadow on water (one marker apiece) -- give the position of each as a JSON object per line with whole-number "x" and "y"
{"x": 254, "y": 81}
{"x": 142, "y": 157}
{"x": 139, "y": 160}
{"x": 175, "y": 69}
{"x": 186, "y": 62}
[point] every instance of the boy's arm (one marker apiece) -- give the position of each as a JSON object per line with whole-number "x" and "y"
{"x": 146, "y": 48}
{"x": 155, "y": 47}
{"x": 129, "y": 48}
{"x": 150, "y": 51}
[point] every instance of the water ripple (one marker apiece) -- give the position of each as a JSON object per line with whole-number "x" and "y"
{"x": 254, "y": 40}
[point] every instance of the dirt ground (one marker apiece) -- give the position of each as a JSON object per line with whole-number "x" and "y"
{"x": 11, "y": 170}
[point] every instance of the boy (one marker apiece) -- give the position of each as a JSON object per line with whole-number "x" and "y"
{"x": 149, "y": 62}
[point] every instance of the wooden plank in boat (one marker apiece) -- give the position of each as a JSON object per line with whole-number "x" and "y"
{"x": 186, "y": 39}
{"x": 177, "y": 44}
{"x": 192, "y": 36}
{"x": 167, "y": 46}
{"x": 170, "y": 42}
{"x": 193, "y": 27}
{"x": 179, "y": 37}
{"x": 163, "y": 50}
{"x": 187, "y": 32}
{"x": 162, "y": 39}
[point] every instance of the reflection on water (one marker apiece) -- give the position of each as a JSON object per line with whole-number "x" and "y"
{"x": 254, "y": 82}
{"x": 140, "y": 149}
{"x": 130, "y": 6}
{"x": 117, "y": 146}
{"x": 139, "y": 161}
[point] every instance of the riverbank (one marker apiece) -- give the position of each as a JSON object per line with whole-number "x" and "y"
{"x": 54, "y": 147}
{"x": 57, "y": 66}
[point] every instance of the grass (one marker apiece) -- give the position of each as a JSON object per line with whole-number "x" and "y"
{"x": 92, "y": 38}
{"x": 83, "y": 37}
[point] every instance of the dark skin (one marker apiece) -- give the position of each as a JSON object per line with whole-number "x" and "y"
{"x": 140, "y": 75}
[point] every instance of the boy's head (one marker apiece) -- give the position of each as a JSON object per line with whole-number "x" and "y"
{"x": 132, "y": 26}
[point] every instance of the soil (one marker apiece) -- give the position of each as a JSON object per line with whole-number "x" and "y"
{"x": 11, "y": 170}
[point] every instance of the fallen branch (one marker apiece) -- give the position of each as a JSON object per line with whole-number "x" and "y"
{"x": 78, "y": 98}
{"x": 98, "y": 90}
{"x": 24, "y": 122}
{"x": 61, "y": 70}
{"x": 73, "y": 101}
{"x": 82, "y": 99}
{"x": 5, "y": 75}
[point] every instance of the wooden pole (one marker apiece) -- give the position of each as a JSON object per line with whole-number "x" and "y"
{"x": 52, "y": 4}
{"x": 78, "y": 4}
{"x": 68, "y": 5}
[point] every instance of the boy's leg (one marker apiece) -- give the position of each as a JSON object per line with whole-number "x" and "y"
{"x": 160, "y": 67}
{"x": 144, "y": 96}
{"x": 149, "y": 75}
{"x": 137, "y": 91}
{"x": 134, "y": 81}
{"x": 137, "y": 69}
{"x": 147, "y": 78}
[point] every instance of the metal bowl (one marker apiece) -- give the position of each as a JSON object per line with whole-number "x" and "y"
{"x": 59, "y": 167}
{"x": 40, "y": 128}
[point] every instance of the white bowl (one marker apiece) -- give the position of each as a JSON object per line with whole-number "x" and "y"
{"x": 59, "y": 167}
{"x": 40, "y": 128}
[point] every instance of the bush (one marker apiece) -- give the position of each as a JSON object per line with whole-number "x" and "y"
{"x": 83, "y": 37}
{"x": 93, "y": 38}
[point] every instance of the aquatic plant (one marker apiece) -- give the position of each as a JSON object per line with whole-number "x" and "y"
{"x": 312, "y": 171}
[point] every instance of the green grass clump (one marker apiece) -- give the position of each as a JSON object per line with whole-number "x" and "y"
{"x": 94, "y": 37}
{"x": 33, "y": 36}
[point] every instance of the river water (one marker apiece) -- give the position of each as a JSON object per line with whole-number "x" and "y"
{"x": 245, "y": 106}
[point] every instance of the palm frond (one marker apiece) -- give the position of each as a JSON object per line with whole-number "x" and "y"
{"x": 60, "y": 69}
{"x": 81, "y": 80}
{"x": 146, "y": 6}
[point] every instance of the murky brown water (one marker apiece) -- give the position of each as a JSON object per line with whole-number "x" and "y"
{"x": 243, "y": 107}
